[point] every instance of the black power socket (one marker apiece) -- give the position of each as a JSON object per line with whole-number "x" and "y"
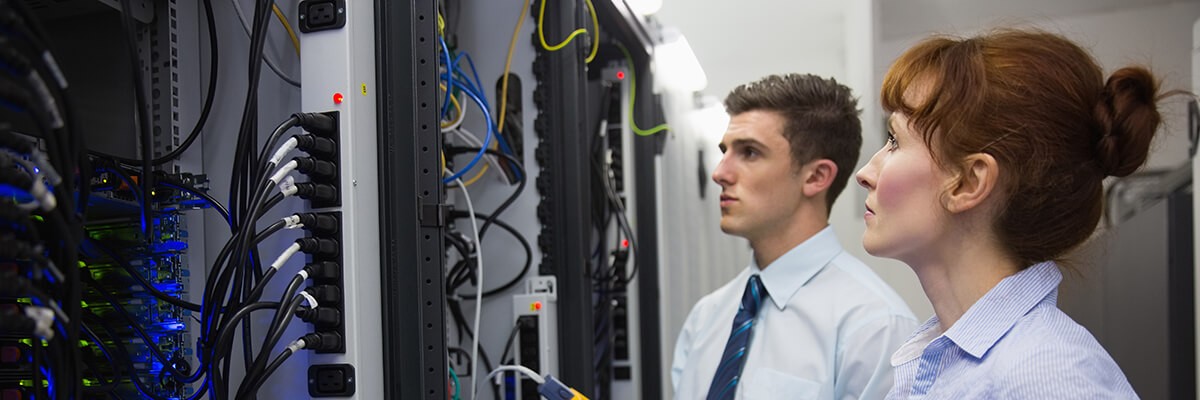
{"x": 319, "y": 15}
{"x": 331, "y": 380}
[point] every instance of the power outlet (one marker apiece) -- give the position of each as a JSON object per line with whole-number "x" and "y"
{"x": 319, "y": 15}
{"x": 331, "y": 380}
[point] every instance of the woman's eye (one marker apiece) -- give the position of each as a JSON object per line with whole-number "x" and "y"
{"x": 891, "y": 141}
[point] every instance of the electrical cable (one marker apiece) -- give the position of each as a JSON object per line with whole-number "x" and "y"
{"x": 478, "y": 291}
{"x": 287, "y": 27}
{"x": 633, "y": 98}
{"x": 271, "y": 63}
{"x": 524, "y": 245}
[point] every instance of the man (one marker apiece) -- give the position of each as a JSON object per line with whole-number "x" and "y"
{"x": 805, "y": 320}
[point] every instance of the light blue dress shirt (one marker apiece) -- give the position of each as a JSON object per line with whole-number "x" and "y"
{"x": 829, "y": 335}
{"x": 1014, "y": 343}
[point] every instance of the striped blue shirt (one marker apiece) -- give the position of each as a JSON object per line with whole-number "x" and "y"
{"x": 1014, "y": 343}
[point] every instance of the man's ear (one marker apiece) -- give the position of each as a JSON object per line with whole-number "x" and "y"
{"x": 976, "y": 182}
{"x": 818, "y": 176}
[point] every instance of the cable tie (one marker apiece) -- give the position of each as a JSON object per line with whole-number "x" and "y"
{"x": 292, "y": 222}
{"x": 288, "y": 186}
{"x": 283, "y": 171}
{"x": 287, "y": 146}
{"x": 312, "y": 301}
{"x": 291, "y": 250}
{"x": 303, "y": 274}
{"x": 51, "y": 63}
{"x": 43, "y": 319}
{"x": 296, "y": 345}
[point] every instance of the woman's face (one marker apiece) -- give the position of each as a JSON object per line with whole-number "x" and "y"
{"x": 905, "y": 216}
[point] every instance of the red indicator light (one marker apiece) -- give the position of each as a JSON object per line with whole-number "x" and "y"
{"x": 337, "y": 98}
{"x": 620, "y": 75}
{"x": 624, "y": 243}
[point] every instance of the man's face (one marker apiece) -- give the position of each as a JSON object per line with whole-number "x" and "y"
{"x": 761, "y": 188}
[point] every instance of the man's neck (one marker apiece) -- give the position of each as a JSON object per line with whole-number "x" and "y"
{"x": 768, "y": 248}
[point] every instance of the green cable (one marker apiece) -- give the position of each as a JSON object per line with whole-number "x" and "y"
{"x": 454, "y": 378}
{"x": 633, "y": 98}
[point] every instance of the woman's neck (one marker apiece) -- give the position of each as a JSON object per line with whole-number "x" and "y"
{"x": 960, "y": 272}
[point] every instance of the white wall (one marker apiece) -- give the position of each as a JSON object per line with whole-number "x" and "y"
{"x": 1158, "y": 36}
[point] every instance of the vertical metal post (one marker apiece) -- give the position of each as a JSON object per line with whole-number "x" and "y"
{"x": 565, "y": 185}
{"x": 412, "y": 220}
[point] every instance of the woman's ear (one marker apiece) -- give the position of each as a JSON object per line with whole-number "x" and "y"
{"x": 976, "y": 182}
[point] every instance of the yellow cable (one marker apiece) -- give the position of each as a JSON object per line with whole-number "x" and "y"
{"x": 542, "y": 36}
{"x": 595, "y": 36}
{"x": 633, "y": 98}
{"x": 512, "y": 45}
{"x": 286, "y": 26}
{"x": 457, "y": 106}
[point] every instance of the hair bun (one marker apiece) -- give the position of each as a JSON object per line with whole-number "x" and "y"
{"x": 1128, "y": 117}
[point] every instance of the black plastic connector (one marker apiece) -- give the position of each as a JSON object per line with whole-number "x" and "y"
{"x": 317, "y": 192}
{"x": 326, "y": 294}
{"x": 319, "y": 247}
{"x": 316, "y": 146}
{"x": 320, "y": 223}
{"x": 317, "y": 170}
{"x": 322, "y": 341}
{"x": 324, "y": 271}
{"x": 321, "y": 317}
{"x": 318, "y": 123}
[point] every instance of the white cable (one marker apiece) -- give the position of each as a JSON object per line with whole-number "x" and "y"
{"x": 312, "y": 301}
{"x": 478, "y": 288}
{"x": 291, "y": 250}
{"x": 473, "y": 140}
{"x": 515, "y": 368}
{"x": 283, "y": 171}
{"x": 237, "y": 9}
{"x": 284, "y": 148}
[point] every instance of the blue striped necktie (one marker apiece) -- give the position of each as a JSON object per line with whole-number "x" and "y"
{"x": 729, "y": 371}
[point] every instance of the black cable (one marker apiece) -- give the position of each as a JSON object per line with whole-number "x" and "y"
{"x": 124, "y": 264}
{"x": 452, "y": 151}
{"x": 205, "y": 109}
{"x": 143, "y": 114}
{"x": 504, "y": 360}
{"x": 201, "y": 194}
{"x": 520, "y": 238}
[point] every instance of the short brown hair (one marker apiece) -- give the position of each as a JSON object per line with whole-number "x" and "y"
{"x": 1039, "y": 104}
{"x": 820, "y": 119}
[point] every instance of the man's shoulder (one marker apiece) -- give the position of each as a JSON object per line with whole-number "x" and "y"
{"x": 858, "y": 288}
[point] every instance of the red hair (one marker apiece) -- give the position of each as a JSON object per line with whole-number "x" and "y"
{"x": 1040, "y": 105}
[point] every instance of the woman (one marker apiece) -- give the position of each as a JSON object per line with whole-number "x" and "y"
{"x": 993, "y": 169}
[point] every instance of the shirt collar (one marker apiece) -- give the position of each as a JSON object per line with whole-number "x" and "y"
{"x": 997, "y": 311}
{"x": 794, "y": 269}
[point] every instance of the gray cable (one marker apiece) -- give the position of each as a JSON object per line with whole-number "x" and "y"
{"x": 237, "y": 9}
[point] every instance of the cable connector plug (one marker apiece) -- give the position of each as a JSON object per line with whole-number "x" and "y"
{"x": 322, "y": 271}
{"x": 316, "y": 169}
{"x": 318, "y": 123}
{"x": 319, "y": 223}
{"x": 319, "y": 247}
{"x": 321, "y": 192}
{"x": 326, "y": 294}
{"x": 554, "y": 389}
{"x": 321, "y": 317}
{"x": 322, "y": 341}
{"x": 316, "y": 146}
